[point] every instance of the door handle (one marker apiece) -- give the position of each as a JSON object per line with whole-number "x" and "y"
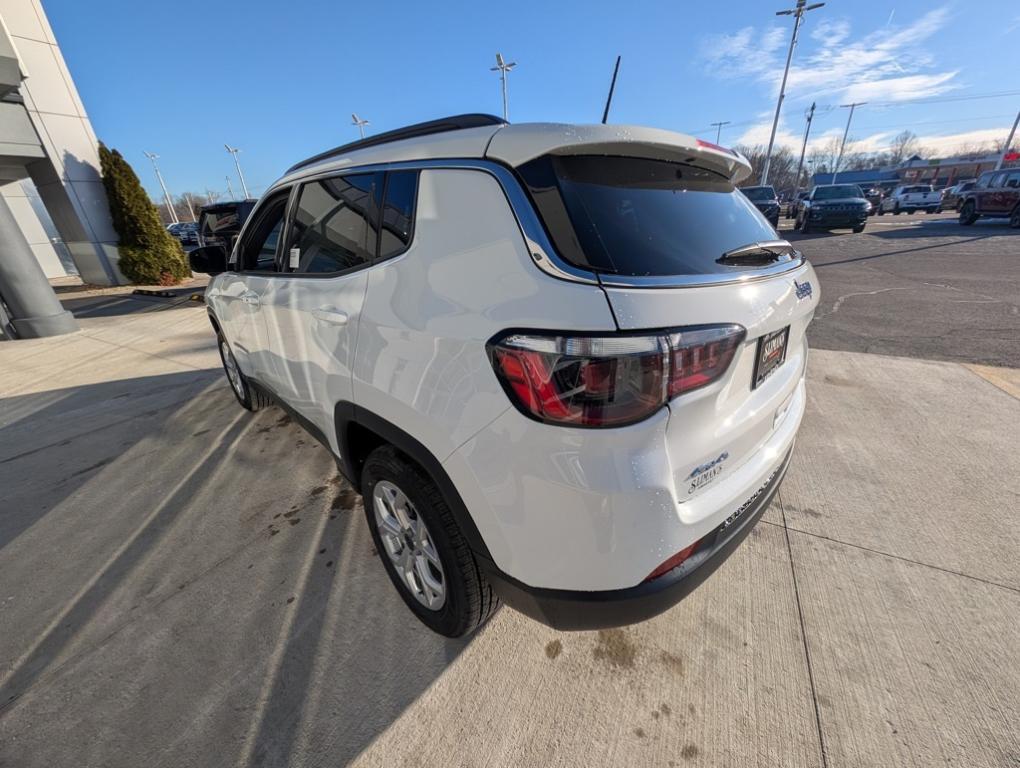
{"x": 250, "y": 297}
{"x": 330, "y": 315}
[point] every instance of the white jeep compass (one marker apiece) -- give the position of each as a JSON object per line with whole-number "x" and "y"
{"x": 564, "y": 365}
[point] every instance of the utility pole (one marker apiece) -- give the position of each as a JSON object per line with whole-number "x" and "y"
{"x": 718, "y": 129}
{"x": 166, "y": 195}
{"x": 803, "y": 147}
{"x": 230, "y": 189}
{"x": 355, "y": 120}
{"x": 503, "y": 68}
{"x": 240, "y": 176}
{"x": 1009, "y": 143}
{"x": 798, "y": 15}
{"x": 612, "y": 87}
{"x": 842, "y": 146}
{"x": 191, "y": 206}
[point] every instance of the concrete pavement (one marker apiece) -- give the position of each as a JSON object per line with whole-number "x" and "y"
{"x": 183, "y": 584}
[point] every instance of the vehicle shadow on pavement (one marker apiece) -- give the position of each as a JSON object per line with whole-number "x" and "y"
{"x": 186, "y": 583}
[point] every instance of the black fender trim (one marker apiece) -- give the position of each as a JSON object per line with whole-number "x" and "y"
{"x": 346, "y": 414}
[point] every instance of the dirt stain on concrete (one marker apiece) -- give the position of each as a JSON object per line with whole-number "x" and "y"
{"x": 639, "y": 732}
{"x": 673, "y": 661}
{"x": 317, "y": 490}
{"x": 553, "y": 648}
{"x": 665, "y": 709}
{"x": 284, "y": 420}
{"x": 689, "y": 752}
{"x": 615, "y": 648}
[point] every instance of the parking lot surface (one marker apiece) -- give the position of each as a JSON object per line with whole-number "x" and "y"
{"x": 918, "y": 286}
{"x": 185, "y": 584}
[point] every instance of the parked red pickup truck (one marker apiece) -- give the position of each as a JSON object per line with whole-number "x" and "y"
{"x": 996, "y": 195}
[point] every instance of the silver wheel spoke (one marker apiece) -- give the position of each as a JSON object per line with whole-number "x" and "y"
{"x": 409, "y": 545}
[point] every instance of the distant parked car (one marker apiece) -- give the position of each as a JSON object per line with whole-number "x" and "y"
{"x": 951, "y": 195}
{"x": 996, "y": 194}
{"x": 765, "y": 200}
{"x": 185, "y": 231}
{"x": 910, "y": 198}
{"x": 831, "y": 206}
{"x": 220, "y": 222}
{"x": 874, "y": 196}
{"x": 794, "y": 204}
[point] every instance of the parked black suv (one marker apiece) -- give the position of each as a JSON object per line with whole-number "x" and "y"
{"x": 765, "y": 200}
{"x": 831, "y": 206}
{"x": 219, "y": 222}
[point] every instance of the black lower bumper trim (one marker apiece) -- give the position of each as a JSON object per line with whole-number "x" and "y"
{"x": 577, "y": 610}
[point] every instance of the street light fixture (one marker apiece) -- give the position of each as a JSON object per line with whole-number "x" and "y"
{"x": 234, "y": 151}
{"x": 166, "y": 195}
{"x": 503, "y": 67}
{"x": 850, "y": 117}
{"x": 798, "y": 15}
{"x": 355, "y": 120}
{"x": 718, "y": 129}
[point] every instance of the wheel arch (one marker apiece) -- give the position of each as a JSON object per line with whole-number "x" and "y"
{"x": 360, "y": 431}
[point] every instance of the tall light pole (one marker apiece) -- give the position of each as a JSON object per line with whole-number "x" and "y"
{"x": 1009, "y": 142}
{"x": 718, "y": 129}
{"x": 842, "y": 146}
{"x": 803, "y": 147}
{"x": 166, "y": 195}
{"x": 234, "y": 151}
{"x": 503, "y": 67}
{"x": 355, "y": 120}
{"x": 798, "y": 15}
{"x": 230, "y": 189}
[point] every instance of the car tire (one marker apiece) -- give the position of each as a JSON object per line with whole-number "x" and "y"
{"x": 423, "y": 550}
{"x": 858, "y": 229}
{"x": 250, "y": 398}
{"x": 804, "y": 226}
{"x": 1014, "y": 218}
{"x": 881, "y": 210}
{"x": 896, "y": 210}
{"x": 967, "y": 214}
{"x": 912, "y": 211}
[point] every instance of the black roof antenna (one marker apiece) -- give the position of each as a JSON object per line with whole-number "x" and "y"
{"x": 612, "y": 87}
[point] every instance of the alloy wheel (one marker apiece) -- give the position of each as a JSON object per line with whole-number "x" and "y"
{"x": 230, "y": 365}
{"x": 409, "y": 545}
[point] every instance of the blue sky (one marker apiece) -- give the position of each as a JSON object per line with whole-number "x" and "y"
{"x": 280, "y": 79}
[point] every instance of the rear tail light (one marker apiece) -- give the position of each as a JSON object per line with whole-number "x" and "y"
{"x": 613, "y": 380}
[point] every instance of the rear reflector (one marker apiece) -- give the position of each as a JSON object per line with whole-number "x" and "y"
{"x": 609, "y": 381}
{"x": 673, "y": 562}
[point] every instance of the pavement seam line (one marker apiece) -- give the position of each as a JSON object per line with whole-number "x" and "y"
{"x": 803, "y": 634}
{"x": 892, "y": 556}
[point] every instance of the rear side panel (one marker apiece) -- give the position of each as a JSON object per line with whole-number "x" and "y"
{"x": 421, "y": 360}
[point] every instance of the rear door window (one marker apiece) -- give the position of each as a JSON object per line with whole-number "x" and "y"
{"x": 639, "y": 217}
{"x": 335, "y": 223}
{"x": 397, "y": 213}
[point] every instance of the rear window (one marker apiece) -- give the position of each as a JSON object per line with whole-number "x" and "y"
{"x": 632, "y": 216}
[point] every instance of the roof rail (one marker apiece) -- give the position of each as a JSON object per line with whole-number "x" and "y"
{"x": 443, "y": 124}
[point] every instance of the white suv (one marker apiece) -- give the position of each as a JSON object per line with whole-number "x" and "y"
{"x": 564, "y": 365}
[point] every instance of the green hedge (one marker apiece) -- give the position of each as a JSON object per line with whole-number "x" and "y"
{"x": 149, "y": 255}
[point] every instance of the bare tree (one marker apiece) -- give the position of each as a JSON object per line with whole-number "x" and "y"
{"x": 781, "y": 171}
{"x": 904, "y": 146}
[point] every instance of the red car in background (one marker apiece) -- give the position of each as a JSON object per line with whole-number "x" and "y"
{"x": 995, "y": 195}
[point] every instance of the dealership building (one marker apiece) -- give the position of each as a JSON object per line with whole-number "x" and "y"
{"x": 939, "y": 172}
{"x": 54, "y": 219}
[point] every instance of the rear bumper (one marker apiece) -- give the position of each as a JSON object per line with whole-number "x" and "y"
{"x": 578, "y": 610}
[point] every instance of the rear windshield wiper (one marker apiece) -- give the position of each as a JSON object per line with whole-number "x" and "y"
{"x": 757, "y": 254}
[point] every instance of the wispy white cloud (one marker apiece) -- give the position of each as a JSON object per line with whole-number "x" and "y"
{"x": 892, "y": 63}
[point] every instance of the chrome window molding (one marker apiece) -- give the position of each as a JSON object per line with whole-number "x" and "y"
{"x": 543, "y": 254}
